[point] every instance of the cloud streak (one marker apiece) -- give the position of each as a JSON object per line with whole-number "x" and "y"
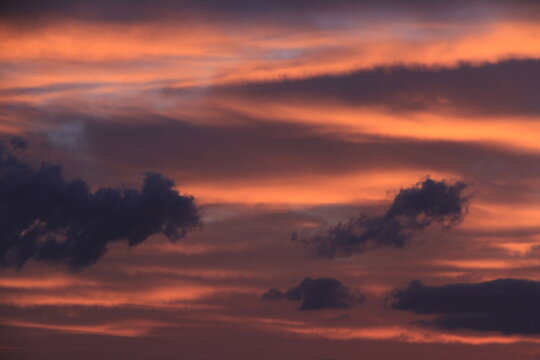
{"x": 47, "y": 218}
{"x": 142, "y": 10}
{"x": 506, "y": 87}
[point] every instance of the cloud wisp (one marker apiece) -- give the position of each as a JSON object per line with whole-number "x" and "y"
{"x": 412, "y": 210}
{"x": 45, "y": 217}
{"x": 318, "y": 294}
{"x": 509, "y": 306}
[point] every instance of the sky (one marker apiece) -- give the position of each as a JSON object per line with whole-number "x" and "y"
{"x": 233, "y": 179}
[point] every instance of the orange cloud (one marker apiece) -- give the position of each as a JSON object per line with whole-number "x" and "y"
{"x": 131, "y": 328}
{"x": 362, "y": 187}
{"x": 402, "y": 334}
{"x": 207, "y": 55}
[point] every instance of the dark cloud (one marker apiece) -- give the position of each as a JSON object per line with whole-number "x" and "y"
{"x": 273, "y": 294}
{"x": 507, "y": 87}
{"x": 412, "y": 210}
{"x": 318, "y": 294}
{"x": 45, "y": 217}
{"x": 246, "y": 10}
{"x": 18, "y": 143}
{"x": 509, "y": 306}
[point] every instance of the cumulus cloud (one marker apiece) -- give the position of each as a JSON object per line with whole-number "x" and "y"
{"x": 509, "y": 306}
{"x": 45, "y": 217}
{"x": 318, "y": 294}
{"x": 413, "y": 209}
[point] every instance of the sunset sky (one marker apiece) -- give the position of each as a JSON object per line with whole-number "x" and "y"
{"x": 257, "y": 179}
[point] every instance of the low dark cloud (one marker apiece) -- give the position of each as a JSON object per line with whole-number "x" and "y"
{"x": 412, "y": 210}
{"x": 45, "y": 217}
{"x": 502, "y": 88}
{"x": 318, "y": 294}
{"x": 509, "y": 306}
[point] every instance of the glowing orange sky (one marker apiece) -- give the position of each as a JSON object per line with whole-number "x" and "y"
{"x": 254, "y": 164}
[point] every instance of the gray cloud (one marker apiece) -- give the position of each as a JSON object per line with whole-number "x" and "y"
{"x": 412, "y": 210}
{"x": 509, "y": 306}
{"x": 318, "y": 294}
{"x": 45, "y": 217}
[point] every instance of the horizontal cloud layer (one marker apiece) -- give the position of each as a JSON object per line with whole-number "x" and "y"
{"x": 506, "y": 87}
{"x": 140, "y": 10}
{"x": 509, "y": 306}
{"x": 318, "y": 294}
{"x": 413, "y": 210}
{"x": 45, "y": 217}
{"x": 254, "y": 148}
{"x": 278, "y": 115}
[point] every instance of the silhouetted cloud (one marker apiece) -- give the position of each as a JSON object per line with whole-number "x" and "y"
{"x": 45, "y": 217}
{"x": 413, "y": 210}
{"x": 506, "y": 87}
{"x": 317, "y": 294}
{"x": 509, "y": 306}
